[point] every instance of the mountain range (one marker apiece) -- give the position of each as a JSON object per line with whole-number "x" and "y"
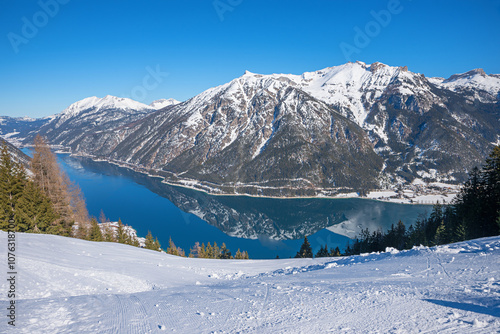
{"x": 353, "y": 127}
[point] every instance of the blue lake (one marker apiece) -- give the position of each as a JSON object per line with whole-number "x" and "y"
{"x": 149, "y": 205}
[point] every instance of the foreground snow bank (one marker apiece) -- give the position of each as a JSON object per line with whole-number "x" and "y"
{"x": 72, "y": 286}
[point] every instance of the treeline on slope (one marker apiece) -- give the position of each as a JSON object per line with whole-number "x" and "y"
{"x": 44, "y": 200}
{"x": 475, "y": 213}
{"x": 207, "y": 252}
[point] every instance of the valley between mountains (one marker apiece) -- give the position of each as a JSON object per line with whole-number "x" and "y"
{"x": 341, "y": 131}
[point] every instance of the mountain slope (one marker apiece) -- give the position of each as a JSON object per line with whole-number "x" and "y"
{"x": 16, "y": 154}
{"x": 346, "y": 128}
{"x": 16, "y": 129}
{"x": 253, "y": 131}
{"x": 352, "y": 127}
{"x": 108, "y": 287}
{"x": 87, "y": 116}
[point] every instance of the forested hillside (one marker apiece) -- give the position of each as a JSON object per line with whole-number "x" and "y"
{"x": 42, "y": 199}
{"x": 475, "y": 213}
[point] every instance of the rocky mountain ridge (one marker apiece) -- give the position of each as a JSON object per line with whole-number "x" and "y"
{"x": 352, "y": 127}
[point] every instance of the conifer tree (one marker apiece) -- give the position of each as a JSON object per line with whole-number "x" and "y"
{"x": 121, "y": 235}
{"x": 305, "y": 250}
{"x": 157, "y": 244}
{"x": 78, "y": 205}
{"x": 149, "y": 244}
{"x": 348, "y": 250}
{"x": 498, "y": 220}
{"x": 34, "y": 210}
{"x": 238, "y": 255}
{"x": 323, "y": 252}
{"x": 209, "y": 251}
{"x": 224, "y": 252}
{"x": 203, "y": 252}
{"x": 196, "y": 250}
{"x": 215, "y": 251}
{"x": 5, "y": 172}
{"x": 172, "y": 249}
{"x": 491, "y": 199}
{"x": 54, "y": 184}
{"x": 108, "y": 234}
{"x": 128, "y": 239}
{"x": 12, "y": 181}
{"x": 440, "y": 237}
{"x": 136, "y": 243}
{"x": 95, "y": 233}
{"x": 460, "y": 234}
{"x": 335, "y": 252}
{"x": 48, "y": 176}
{"x": 82, "y": 231}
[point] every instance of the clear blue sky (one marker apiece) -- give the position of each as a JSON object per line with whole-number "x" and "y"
{"x": 86, "y": 47}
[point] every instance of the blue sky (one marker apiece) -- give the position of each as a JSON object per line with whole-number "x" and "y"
{"x": 55, "y": 52}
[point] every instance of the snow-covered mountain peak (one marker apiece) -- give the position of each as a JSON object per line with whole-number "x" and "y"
{"x": 484, "y": 87}
{"x": 107, "y": 102}
{"x": 100, "y": 109}
{"x": 162, "y": 103}
{"x": 470, "y": 75}
{"x": 348, "y": 86}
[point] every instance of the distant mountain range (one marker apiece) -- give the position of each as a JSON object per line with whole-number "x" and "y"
{"x": 352, "y": 127}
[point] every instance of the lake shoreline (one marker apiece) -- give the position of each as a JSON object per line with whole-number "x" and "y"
{"x": 445, "y": 198}
{"x": 427, "y": 199}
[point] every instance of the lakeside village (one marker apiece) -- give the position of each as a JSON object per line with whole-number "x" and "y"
{"x": 418, "y": 192}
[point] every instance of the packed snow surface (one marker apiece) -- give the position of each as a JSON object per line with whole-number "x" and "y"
{"x": 73, "y": 286}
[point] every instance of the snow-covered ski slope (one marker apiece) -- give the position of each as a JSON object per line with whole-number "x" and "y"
{"x": 67, "y": 285}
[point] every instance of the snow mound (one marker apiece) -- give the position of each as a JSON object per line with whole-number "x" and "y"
{"x": 76, "y": 286}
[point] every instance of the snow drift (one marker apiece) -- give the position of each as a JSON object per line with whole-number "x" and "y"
{"x": 73, "y": 286}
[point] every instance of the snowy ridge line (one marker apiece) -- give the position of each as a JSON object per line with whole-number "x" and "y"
{"x": 381, "y": 106}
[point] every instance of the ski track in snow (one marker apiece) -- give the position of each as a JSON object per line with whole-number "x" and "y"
{"x": 73, "y": 286}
